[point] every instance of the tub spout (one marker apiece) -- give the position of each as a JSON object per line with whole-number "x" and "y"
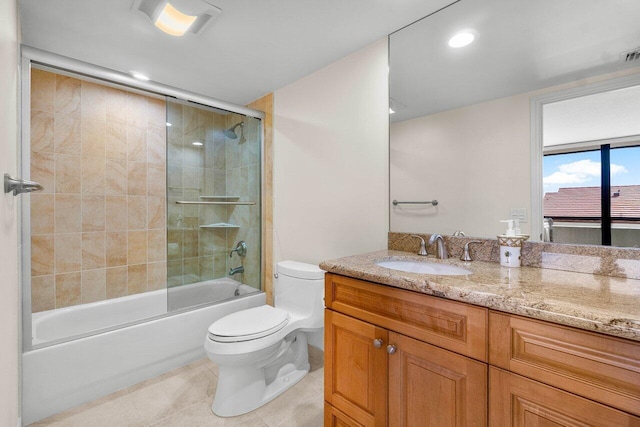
{"x": 236, "y": 270}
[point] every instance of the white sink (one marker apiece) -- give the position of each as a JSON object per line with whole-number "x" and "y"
{"x": 424, "y": 267}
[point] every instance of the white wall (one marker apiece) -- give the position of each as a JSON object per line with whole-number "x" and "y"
{"x": 9, "y": 412}
{"x": 331, "y": 160}
{"x": 474, "y": 156}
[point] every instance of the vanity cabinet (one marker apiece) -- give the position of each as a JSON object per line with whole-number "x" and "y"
{"x": 398, "y": 358}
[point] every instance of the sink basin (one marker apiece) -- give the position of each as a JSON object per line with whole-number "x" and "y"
{"x": 424, "y": 267}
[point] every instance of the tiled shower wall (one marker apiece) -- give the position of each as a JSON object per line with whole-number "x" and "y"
{"x": 219, "y": 167}
{"x": 98, "y": 228}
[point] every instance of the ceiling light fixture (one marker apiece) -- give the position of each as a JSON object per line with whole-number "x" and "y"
{"x": 197, "y": 143}
{"x": 462, "y": 39}
{"x": 180, "y": 16}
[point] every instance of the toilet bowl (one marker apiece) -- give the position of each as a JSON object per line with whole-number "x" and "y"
{"x": 261, "y": 352}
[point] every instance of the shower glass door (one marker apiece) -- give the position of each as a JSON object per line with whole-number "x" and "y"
{"x": 145, "y": 199}
{"x": 214, "y": 207}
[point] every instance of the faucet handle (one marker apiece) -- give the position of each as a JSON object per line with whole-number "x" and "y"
{"x": 466, "y": 255}
{"x": 423, "y": 246}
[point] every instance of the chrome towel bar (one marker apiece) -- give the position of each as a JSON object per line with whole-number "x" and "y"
{"x": 184, "y": 202}
{"x": 432, "y": 202}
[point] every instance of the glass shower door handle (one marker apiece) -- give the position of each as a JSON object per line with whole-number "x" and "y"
{"x": 19, "y": 186}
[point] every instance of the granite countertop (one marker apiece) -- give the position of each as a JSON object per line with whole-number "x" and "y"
{"x": 608, "y": 305}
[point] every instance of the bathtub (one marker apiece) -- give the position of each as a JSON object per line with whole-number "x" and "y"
{"x": 67, "y": 374}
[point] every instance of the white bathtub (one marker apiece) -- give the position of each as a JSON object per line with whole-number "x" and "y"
{"x": 61, "y": 376}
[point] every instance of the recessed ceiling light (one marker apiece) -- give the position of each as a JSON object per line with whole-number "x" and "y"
{"x": 169, "y": 124}
{"x": 140, "y": 76}
{"x": 391, "y": 111}
{"x": 462, "y": 39}
{"x": 197, "y": 143}
{"x": 179, "y": 16}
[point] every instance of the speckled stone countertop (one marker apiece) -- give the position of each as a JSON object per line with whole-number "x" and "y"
{"x": 608, "y": 305}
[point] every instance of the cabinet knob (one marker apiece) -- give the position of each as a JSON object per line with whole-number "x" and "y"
{"x": 377, "y": 343}
{"x": 391, "y": 349}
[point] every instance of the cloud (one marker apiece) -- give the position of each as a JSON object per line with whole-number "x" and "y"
{"x": 579, "y": 172}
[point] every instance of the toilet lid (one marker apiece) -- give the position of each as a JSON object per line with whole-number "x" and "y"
{"x": 248, "y": 324}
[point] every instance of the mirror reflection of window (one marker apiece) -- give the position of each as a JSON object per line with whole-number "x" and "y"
{"x": 591, "y": 177}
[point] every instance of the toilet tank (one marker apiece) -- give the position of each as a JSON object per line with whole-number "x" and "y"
{"x": 299, "y": 290}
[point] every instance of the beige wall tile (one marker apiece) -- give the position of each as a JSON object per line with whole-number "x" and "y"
{"x": 156, "y": 276}
{"x": 156, "y": 245}
{"x": 67, "y": 96}
{"x": 116, "y": 106}
{"x": 136, "y": 110}
{"x": 115, "y": 177}
{"x": 116, "y": 282}
{"x": 93, "y": 175}
{"x": 68, "y": 174}
{"x": 190, "y": 243}
{"x": 157, "y": 112}
{"x": 66, "y": 133}
{"x": 68, "y": 289}
{"x": 174, "y": 244}
{"x": 43, "y": 86}
{"x": 137, "y": 179}
{"x": 137, "y": 278}
{"x": 191, "y": 270}
{"x": 136, "y": 144}
{"x": 42, "y": 213}
{"x": 43, "y": 170}
{"x": 116, "y": 141}
{"x": 43, "y": 294}
{"x": 93, "y": 250}
{"x": 156, "y": 212}
{"x": 156, "y": 144}
{"x": 68, "y": 252}
{"x": 116, "y": 248}
{"x": 116, "y": 213}
{"x": 93, "y": 102}
{"x": 137, "y": 213}
{"x": 42, "y": 124}
{"x": 94, "y": 285}
{"x": 137, "y": 247}
{"x": 157, "y": 181}
{"x": 93, "y": 137}
{"x": 93, "y": 213}
{"x": 68, "y": 214}
{"x": 42, "y": 257}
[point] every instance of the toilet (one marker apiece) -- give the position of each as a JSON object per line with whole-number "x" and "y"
{"x": 261, "y": 352}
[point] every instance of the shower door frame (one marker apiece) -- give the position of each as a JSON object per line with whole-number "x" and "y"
{"x": 29, "y": 56}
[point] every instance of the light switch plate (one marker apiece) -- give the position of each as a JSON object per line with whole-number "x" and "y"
{"x": 519, "y": 214}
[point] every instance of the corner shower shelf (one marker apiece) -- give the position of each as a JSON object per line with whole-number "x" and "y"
{"x": 220, "y": 225}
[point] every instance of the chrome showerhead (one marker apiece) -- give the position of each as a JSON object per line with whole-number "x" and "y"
{"x": 231, "y": 132}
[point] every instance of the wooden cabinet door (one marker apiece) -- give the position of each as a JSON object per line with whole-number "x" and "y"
{"x": 433, "y": 387}
{"x": 335, "y": 418}
{"x": 355, "y": 369}
{"x": 520, "y": 402}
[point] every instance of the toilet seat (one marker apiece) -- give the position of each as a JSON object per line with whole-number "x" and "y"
{"x": 248, "y": 324}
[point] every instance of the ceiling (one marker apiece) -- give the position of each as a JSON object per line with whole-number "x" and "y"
{"x": 522, "y": 45}
{"x": 254, "y": 47}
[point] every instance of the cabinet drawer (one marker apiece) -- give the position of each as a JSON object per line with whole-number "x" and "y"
{"x": 605, "y": 369}
{"x": 520, "y": 402}
{"x": 335, "y": 418}
{"x": 448, "y": 324}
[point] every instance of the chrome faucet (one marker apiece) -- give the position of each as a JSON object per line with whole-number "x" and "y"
{"x": 442, "y": 248}
{"x": 423, "y": 248}
{"x": 236, "y": 270}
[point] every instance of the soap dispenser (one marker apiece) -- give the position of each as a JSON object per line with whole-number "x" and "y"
{"x": 511, "y": 245}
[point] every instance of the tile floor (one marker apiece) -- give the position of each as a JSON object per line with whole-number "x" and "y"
{"x": 183, "y": 397}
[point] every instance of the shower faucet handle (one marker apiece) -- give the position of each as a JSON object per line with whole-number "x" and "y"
{"x": 241, "y": 249}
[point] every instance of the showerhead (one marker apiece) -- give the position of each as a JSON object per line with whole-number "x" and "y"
{"x": 231, "y": 132}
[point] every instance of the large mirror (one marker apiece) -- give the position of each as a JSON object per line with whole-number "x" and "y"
{"x": 462, "y": 125}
